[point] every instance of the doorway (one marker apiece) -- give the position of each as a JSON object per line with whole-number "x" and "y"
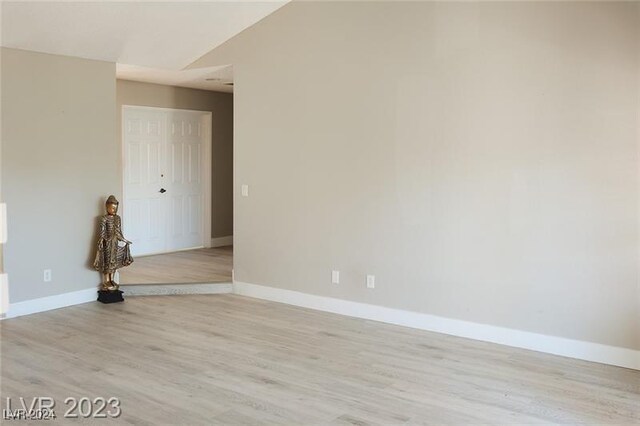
{"x": 166, "y": 179}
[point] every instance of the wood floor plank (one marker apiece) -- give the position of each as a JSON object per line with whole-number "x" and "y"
{"x": 227, "y": 359}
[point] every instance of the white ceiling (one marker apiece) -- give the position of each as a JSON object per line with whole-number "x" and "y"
{"x": 211, "y": 78}
{"x": 150, "y": 41}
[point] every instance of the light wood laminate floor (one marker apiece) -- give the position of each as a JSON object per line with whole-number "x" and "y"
{"x": 210, "y": 265}
{"x": 227, "y": 359}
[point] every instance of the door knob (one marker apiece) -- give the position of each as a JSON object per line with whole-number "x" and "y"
{"x": 162, "y": 190}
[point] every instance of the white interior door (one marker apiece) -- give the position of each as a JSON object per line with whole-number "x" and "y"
{"x": 166, "y": 176}
{"x": 183, "y": 180}
{"x": 144, "y": 214}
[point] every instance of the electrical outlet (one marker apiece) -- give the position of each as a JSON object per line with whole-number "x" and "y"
{"x": 371, "y": 281}
{"x": 335, "y": 277}
{"x": 47, "y": 275}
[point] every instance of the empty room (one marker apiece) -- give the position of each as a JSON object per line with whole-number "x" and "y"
{"x": 320, "y": 212}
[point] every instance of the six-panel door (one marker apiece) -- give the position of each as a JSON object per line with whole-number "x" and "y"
{"x": 163, "y": 188}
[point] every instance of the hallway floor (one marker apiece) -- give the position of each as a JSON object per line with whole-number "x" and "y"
{"x": 207, "y": 265}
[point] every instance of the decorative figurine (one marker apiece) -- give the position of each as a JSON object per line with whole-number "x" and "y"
{"x": 113, "y": 252}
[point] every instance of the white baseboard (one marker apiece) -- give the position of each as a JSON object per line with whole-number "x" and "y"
{"x": 91, "y": 295}
{"x": 588, "y": 351}
{"x": 52, "y": 302}
{"x": 222, "y": 241}
{"x": 171, "y": 289}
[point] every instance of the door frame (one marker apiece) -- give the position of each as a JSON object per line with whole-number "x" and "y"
{"x": 206, "y": 169}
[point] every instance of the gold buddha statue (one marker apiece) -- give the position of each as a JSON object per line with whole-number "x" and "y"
{"x": 113, "y": 249}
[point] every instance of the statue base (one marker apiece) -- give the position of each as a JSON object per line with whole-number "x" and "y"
{"x": 106, "y": 296}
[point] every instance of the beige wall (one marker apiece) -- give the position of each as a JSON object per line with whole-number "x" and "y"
{"x": 59, "y": 163}
{"x": 221, "y": 106}
{"x": 481, "y": 159}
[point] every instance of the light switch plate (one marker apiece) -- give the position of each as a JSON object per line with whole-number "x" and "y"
{"x": 3, "y": 223}
{"x": 245, "y": 190}
{"x": 371, "y": 281}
